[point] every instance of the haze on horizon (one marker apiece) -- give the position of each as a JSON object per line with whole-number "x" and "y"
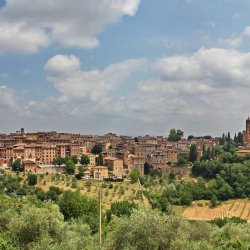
{"x": 126, "y": 66}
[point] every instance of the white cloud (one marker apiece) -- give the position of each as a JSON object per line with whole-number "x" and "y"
{"x": 94, "y": 85}
{"x": 26, "y": 25}
{"x": 235, "y": 41}
{"x": 185, "y": 88}
{"x": 204, "y": 92}
{"x": 8, "y": 99}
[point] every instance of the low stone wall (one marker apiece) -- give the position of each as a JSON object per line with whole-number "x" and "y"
{"x": 50, "y": 169}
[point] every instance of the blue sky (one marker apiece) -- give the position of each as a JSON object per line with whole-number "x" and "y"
{"x": 127, "y": 66}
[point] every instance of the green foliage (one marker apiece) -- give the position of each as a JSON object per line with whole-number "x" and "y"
{"x": 70, "y": 167}
{"x": 58, "y": 161}
{"x": 74, "y": 205}
{"x": 121, "y": 208}
{"x": 135, "y": 174}
{"x": 17, "y": 166}
{"x": 229, "y": 176}
{"x": 222, "y": 222}
{"x": 175, "y": 135}
{"x": 97, "y": 149}
{"x": 74, "y": 159}
{"x": 182, "y": 159}
{"x": 84, "y": 160}
{"x": 214, "y": 201}
{"x": 146, "y": 168}
{"x": 99, "y": 161}
{"x": 32, "y": 179}
{"x": 193, "y": 154}
{"x": 140, "y": 229}
{"x": 33, "y": 223}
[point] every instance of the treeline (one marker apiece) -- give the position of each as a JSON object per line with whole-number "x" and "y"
{"x": 238, "y": 138}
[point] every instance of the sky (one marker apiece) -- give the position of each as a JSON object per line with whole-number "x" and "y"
{"x": 131, "y": 67}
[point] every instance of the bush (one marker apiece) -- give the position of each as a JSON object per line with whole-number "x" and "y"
{"x": 74, "y": 184}
{"x": 88, "y": 183}
{"x": 32, "y": 179}
{"x": 104, "y": 185}
{"x": 222, "y": 222}
{"x": 121, "y": 190}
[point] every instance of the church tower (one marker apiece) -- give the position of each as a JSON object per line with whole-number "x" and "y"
{"x": 247, "y": 133}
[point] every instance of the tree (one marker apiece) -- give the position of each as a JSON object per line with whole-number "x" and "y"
{"x": 35, "y": 222}
{"x": 175, "y": 135}
{"x": 58, "y": 161}
{"x": 84, "y": 160}
{"x": 190, "y": 137}
{"x": 173, "y": 232}
{"x": 209, "y": 154}
{"x": 146, "y": 168}
{"x": 17, "y": 166}
{"x": 121, "y": 208}
{"x": 240, "y": 138}
{"x": 70, "y": 167}
{"x": 214, "y": 201}
{"x": 32, "y": 179}
{"x": 74, "y": 205}
{"x": 182, "y": 159}
{"x": 97, "y": 149}
{"x": 135, "y": 174}
{"x": 74, "y": 159}
{"x": 100, "y": 160}
{"x": 193, "y": 154}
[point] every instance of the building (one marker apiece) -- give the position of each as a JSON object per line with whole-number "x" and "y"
{"x": 135, "y": 163}
{"x": 172, "y": 155}
{"x": 115, "y": 166}
{"x": 100, "y": 172}
{"x": 48, "y": 153}
{"x": 30, "y": 166}
{"x": 246, "y": 133}
{"x": 92, "y": 159}
{"x": 158, "y": 159}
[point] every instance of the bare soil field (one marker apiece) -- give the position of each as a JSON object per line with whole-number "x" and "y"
{"x": 231, "y": 208}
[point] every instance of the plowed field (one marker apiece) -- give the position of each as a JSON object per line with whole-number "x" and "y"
{"x": 237, "y": 208}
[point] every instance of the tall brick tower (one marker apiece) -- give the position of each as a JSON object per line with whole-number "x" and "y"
{"x": 247, "y": 133}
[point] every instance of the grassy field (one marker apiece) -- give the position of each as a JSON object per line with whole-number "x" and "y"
{"x": 201, "y": 211}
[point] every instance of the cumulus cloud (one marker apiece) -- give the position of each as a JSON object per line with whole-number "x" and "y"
{"x": 185, "y": 88}
{"x": 204, "y": 92}
{"x": 95, "y": 85}
{"x": 26, "y": 25}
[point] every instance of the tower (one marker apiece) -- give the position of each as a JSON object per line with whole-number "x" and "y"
{"x": 247, "y": 133}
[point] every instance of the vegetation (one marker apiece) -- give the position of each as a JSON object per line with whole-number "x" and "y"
{"x": 97, "y": 149}
{"x": 135, "y": 174}
{"x": 32, "y": 179}
{"x": 70, "y": 167}
{"x": 84, "y": 160}
{"x": 36, "y": 213}
{"x": 17, "y": 166}
{"x": 57, "y": 219}
{"x": 175, "y": 135}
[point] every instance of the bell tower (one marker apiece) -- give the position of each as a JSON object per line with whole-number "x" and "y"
{"x": 247, "y": 134}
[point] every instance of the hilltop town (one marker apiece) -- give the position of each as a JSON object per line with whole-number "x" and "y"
{"x": 121, "y": 155}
